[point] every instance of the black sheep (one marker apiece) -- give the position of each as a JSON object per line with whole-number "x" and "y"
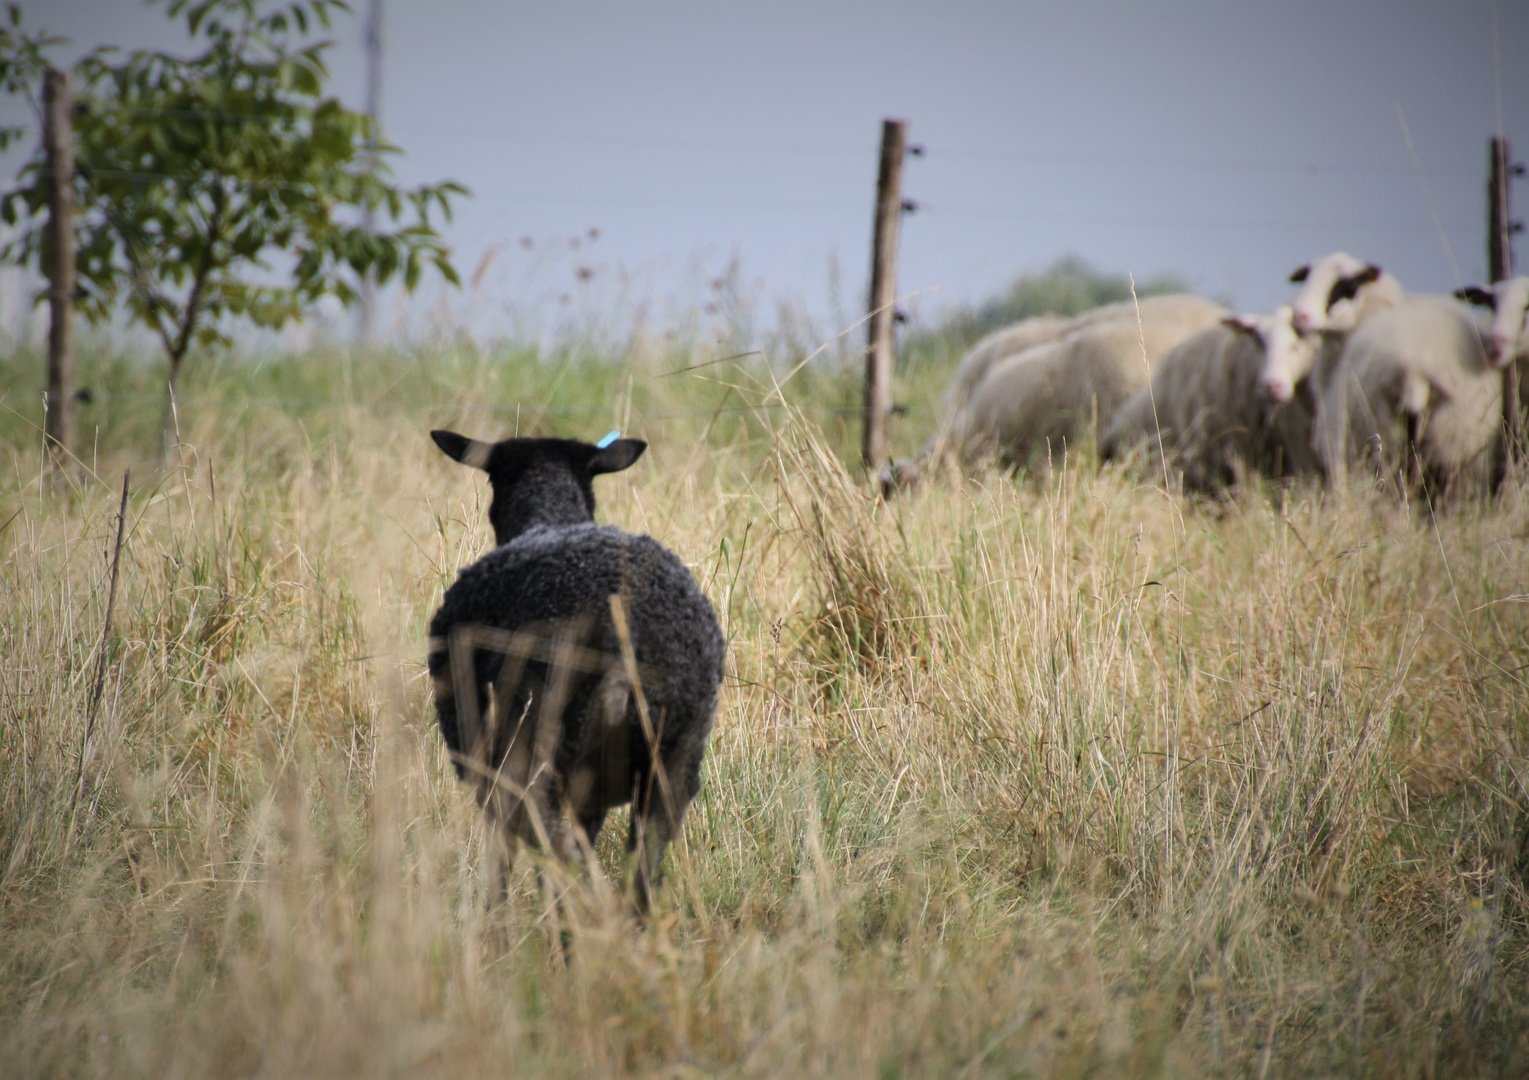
{"x": 563, "y": 656}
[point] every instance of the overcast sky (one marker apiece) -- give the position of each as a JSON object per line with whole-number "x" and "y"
{"x": 1226, "y": 142}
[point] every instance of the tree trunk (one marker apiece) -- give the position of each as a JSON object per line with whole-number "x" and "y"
{"x": 190, "y": 315}
{"x": 169, "y": 428}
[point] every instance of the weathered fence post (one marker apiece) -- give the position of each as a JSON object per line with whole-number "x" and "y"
{"x": 1500, "y": 228}
{"x": 58, "y": 141}
{"x": 880, "y": 350}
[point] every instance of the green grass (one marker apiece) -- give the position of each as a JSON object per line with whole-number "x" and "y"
{"x": 1009, "y": 779}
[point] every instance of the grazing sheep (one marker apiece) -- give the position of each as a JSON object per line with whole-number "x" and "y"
{"x": 1000, "y": 345}
{"x": 1011, "y": 340}
{"x": 1338, "y": 292}
{"x": 1412, "y": 392}
{"x": 1045, "y": 398}
{"x": 564, "y": 656}
{"x": 1509, "y": 302}
{"x": 1205, "y": 408}
{"x": 1003, "y": 344}
{"x": 1508, "y": 338}
{"x": 1290, "y": 360}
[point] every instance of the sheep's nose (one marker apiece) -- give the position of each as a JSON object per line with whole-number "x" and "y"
{"x": 1276, "y": 389}
{"x": 1502, "y": 350}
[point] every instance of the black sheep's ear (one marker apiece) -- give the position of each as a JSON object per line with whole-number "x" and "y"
{"x": 1300, "y": 273}
{"x": 1475, "y": 294}
{"x": 615, "y": 456}
{"x": 471, "y": 452}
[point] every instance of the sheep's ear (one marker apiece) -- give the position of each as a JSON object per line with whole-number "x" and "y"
{"x": 472, "y": 452}
{"x": 1300, "y": 273}
{"x": 1244, "y": 323}
{"x": 615, "y": 456}
{"x": 1475, "y": 294}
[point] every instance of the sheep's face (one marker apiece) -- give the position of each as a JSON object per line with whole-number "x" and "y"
{"x": 1509, "y": 301}
{"x": 1288, "y": 355}
{"x": 539, "y": 481}
{"x": 1330, "y": 292}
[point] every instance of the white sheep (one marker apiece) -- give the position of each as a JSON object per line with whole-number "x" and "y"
{"x": 1338, "y": 292}
{"x": 1003, "y": 345}
{"x": 1206, "y": 412}
{"x": 1509, "y": 303}
{"x": 1508, "y": 338}
{"x": 1413, "y": 391}
{"x": 1044, "y": 399}
{"x": 1012, "y": 340}
{"x": 1000, "y": 345}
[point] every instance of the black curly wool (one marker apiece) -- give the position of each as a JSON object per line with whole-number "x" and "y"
{"x": 550, "y": 581}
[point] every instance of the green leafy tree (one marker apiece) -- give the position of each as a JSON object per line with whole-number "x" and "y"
{"x": 226, "y": 186}
{"x": 23, "y": 59}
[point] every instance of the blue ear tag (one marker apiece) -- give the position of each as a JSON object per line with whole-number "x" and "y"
{"x": 603, "y": 443}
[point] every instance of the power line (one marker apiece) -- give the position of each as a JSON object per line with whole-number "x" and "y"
{"x": 796, "y": 205}
{"x": 509, "y": 408}
{"x": 939, "y": 210}
{"x": 858, "y": 151}
{"x": 937, "y": 152}
{"x": 989, "y": 212}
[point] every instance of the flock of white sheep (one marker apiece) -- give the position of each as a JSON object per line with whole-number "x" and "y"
{"x": 1352, "y": 373}
{"x": 576, "y": 667}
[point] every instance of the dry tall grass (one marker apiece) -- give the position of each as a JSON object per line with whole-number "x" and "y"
{"x": 1007, "y": 780}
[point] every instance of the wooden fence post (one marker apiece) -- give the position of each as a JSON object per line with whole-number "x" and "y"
{"x": 1499, "y": 268}
{"x": 880, "y": 350}
{"x": 1499, "y": 219}
{"x": 58, "y": 140}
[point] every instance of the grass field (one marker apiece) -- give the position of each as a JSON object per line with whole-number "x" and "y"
{"x": 1041, "y": 778}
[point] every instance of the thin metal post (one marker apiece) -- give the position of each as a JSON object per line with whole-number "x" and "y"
{"x": 58, "y": 141}
{"x": 374, "y": 39}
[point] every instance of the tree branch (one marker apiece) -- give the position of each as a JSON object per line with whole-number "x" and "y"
{"x": 203, "y": 270}
{"x": 143, "y": 284}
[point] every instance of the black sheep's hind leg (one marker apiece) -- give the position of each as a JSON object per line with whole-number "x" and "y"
{"x": 502, "y": 844}
{"x": 658, "y": 807}
{"x": 592, "y": 822}
{"x": 645, "y": 844}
